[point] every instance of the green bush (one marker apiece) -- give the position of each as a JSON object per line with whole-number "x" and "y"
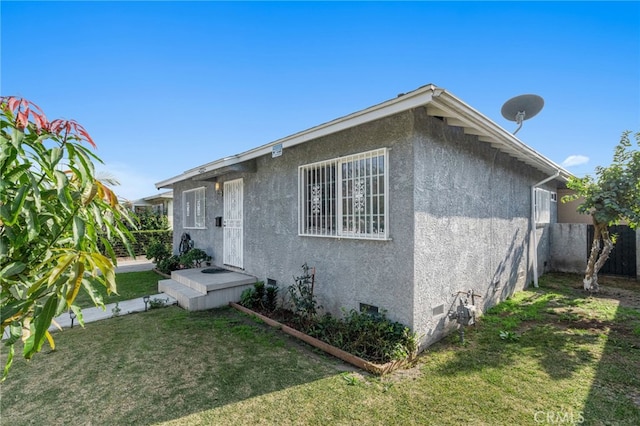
{"x": 260, "y": 297}
{"x": 194, "y": 257}
{"x": 169, "y": 264}
{"x": 157, "y": 251}
{"x": 370, "y": 336}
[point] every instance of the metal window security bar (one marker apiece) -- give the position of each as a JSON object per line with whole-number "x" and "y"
{"x": 345, "y": 197}
{"x": 194, "y": 208}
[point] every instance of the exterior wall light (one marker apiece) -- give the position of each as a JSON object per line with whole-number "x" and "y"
{"x": 218, "y": 187}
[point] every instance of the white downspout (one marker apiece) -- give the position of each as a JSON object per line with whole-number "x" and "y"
{"x": 534, "y": 240}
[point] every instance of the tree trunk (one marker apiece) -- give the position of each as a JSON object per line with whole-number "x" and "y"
{"x": 597, "y": 258}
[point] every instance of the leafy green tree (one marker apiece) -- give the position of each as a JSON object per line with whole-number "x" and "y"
{"x": 54, "y": 213}
{"x": 148, "y": 220}
{"x": 611, "y": 197}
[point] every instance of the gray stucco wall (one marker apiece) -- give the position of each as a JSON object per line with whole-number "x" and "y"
{"x": 472, "y": 214}
{"x": 459, "y": 219}
{"x": 348, "y": 272}
{"x": 569, "y": 247}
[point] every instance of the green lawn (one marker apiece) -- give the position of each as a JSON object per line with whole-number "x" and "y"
{"x": 130, "y": 286}
{"x": 547, "y": 356}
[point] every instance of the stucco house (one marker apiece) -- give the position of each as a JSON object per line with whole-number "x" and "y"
{"x": 161, "y": 203}
{"x": 398, "y": 207}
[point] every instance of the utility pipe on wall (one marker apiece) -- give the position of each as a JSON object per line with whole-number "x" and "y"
{"x": 534, "y": 240}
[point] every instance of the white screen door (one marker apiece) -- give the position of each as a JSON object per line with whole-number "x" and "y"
{"x": 233, "y": 223}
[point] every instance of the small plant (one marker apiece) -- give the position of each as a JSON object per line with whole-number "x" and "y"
{"x": 194, "y": 257}
{"x": 158, "y": 303}
{"x": 271, "y": 298}
{"x": 255, "y": 297}
{"x": 169, "y": 264}
{"x": 350, "y": 379}
{"x": 246, "y": 298}
{"x": 258, "y": 293}
{"x": 116, "y": 310}
{"x": 304, "y": 303}
{"x": 509, "y": 336}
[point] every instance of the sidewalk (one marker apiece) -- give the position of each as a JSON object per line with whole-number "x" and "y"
{"x": 126, "y": 306}
{"x": 96, "y": 314}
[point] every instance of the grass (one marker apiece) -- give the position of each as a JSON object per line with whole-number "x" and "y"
{"x": 130, "y": 285}
{"x": 572, "y": 358}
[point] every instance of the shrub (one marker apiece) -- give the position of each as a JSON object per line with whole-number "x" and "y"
{"x": 169, "y": 264}
{"x": 194, "y": 257}
{"x": 260, "y": 297}
{"x": 157, "y": 251}
{"x": 369, "y": 336}
{"x": 301, "y": 295}
{"x": 271, "y": 298}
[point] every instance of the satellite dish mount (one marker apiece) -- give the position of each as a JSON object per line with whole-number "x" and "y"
{"x": 522, "y": 108}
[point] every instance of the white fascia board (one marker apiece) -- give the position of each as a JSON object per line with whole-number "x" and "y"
{"x": 456, "y": 108}
{"x": 421, "y": 96}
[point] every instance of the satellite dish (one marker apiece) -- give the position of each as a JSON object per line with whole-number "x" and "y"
{"x": 522, "y": 108}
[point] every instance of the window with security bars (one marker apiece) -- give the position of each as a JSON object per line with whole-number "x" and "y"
{"x": 193, "y": 208}
{"x": 345, "y": 197}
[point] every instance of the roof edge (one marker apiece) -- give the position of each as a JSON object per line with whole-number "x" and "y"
{"x": 403, "y": 102}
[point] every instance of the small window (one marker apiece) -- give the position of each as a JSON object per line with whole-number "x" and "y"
{"x": 543, "y": 206}
{"x": 193, "y": 208}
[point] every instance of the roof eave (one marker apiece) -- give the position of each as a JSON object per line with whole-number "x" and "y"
{"x": 439, "y": 103}
{"x": 460, "y": 114}
{"x": 421, "y": 96}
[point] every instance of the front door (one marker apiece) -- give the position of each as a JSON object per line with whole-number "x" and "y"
{"x": 232, "y": 255}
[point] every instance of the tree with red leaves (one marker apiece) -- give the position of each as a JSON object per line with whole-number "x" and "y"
{"x": 56, "y": 219}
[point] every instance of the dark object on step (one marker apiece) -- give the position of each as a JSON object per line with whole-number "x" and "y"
{"x": 214, "y": 270}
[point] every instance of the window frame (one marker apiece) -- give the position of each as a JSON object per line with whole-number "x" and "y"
{"x": 199, "y": 220}
{"x": 543, "y": 212}
{"x": 339, "y": 191}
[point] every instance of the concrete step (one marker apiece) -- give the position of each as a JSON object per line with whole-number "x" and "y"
{"x": 193, "y": 300}
{"x": 194, "y": 278}
{"x": 183, "y": 294}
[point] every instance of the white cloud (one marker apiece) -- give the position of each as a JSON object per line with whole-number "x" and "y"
{"x": 575, "y": 160}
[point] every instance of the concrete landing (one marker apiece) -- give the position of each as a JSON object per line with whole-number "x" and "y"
{"x": 196, "y": 291}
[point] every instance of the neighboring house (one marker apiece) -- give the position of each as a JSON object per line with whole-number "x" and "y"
{"x": 161, "y": 203}
{"x": 398, "y": 207}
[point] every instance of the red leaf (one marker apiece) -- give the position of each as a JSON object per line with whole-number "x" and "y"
{"x": 84, "y": 133}
{"x": 22, "y": 120}
{"x": 40, "y": 120}
{"x": 13, "y": 103}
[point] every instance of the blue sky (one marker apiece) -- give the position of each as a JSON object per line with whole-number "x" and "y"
{"x": 167, "y": 86}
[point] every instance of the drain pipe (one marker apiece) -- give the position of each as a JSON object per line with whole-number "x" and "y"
{"x": 534, "y": 240}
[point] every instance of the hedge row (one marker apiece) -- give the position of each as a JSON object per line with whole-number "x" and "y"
{"x": 143, "y": 238}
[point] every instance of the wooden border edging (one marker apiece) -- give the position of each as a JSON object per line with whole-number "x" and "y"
{"x": 371, "y": 367}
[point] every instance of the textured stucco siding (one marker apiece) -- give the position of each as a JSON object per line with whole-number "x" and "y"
{"x": 348, "y": 271}
{"x": 569, "y": 247}
{"x": 459, "y": 214}
{"x": 472, "y": 214}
